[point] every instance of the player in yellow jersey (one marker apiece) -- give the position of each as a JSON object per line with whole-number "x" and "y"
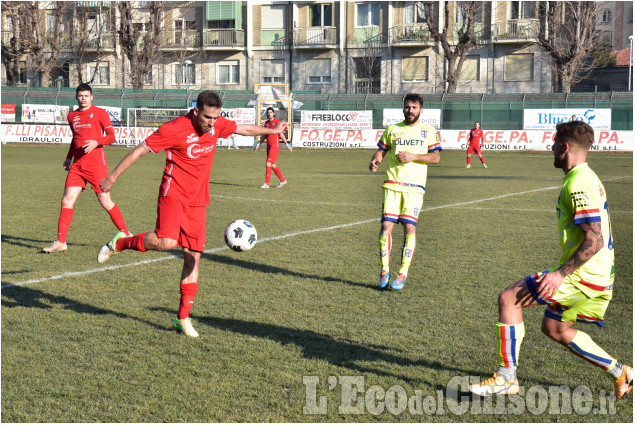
{"x": 410, "y": 145}
{"x": 580, "y": 288}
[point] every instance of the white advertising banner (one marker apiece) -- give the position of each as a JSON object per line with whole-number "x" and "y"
{"x": 23, "y": 133}
{"x": 113, "y": 112}
{"x": 342, "y": 120}
{"x": 429, "y": 116}
{"x": 45, "y": 113}
{"x": 241, "y": 116}
{"x": 546, "y": 119}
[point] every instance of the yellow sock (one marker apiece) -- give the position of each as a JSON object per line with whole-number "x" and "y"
{"x": 583, "y": 346}
{"x": 407, "y": 251}
{"x": 385, "y": 243}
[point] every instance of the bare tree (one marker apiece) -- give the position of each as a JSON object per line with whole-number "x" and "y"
{"x": 38, "y": 38}
{"x": 456, "y": 39}
{"x": 569, "y": 34}
{"x": 367, "y": 66}
{"x": 92, "y": 38}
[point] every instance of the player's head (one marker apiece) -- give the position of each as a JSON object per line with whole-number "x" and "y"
{"x": 207, "y": 111}
{"x": 477, "y": 124}
{"x": 573, "y": 137}
{"x": 412, "y": 104}
{"x": 270, "y": 112}
{"x": 84, "y": 96}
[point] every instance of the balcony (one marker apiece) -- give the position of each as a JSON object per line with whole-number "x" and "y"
{"x": 223, "y": 39}
{"x": 102, "y": 42}
{"x": 6, "y": 37}
{"x": 315, "y": 37}
{"x": 411, "y": 35}
{"x": 181, "y": 39}
{"x": 517, "y": 30}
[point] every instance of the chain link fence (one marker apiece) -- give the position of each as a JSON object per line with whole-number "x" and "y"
{"x": 458, "y": 110}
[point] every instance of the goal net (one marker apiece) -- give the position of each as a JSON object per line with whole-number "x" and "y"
{"x": 153, "y": 117}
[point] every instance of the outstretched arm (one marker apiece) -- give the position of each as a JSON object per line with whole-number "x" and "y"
{"x": 132, "y": 157}
{"x": 254, "y": 130}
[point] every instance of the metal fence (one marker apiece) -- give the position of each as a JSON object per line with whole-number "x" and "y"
{"x": 459, "y": 111}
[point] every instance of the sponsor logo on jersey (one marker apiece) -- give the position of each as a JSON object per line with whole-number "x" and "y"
{"x": 90, "y": 115}
{"x": 424, "y": 133}
{"x": 195, "y": 151}
{"x": 77, "y": 126}
{"x": 192, "y": 138}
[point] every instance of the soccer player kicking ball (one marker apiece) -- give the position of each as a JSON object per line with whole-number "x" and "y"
{"x": 92, "y": 130}
{"x": 580, "y": 288}
{"x": 189, "y": 143}
{"x": 475, "y": 144}
{"x": 273, "y": 149}
{"x": 410, "y": 145}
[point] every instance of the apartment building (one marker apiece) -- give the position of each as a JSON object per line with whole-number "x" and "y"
{"x": 333, "y": 46}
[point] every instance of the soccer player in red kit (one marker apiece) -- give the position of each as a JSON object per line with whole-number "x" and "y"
{"x": 189, "y": 143}
{"x": 475, "y": 144}
{"x": 273, "y": 148}
{"x": 92, "y": 129}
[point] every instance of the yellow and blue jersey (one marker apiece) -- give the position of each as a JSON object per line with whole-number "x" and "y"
{"x": 583, "y": 200}
{"x": 418, "y": 139}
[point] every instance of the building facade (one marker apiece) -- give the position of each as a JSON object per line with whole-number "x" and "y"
{"x": 333, "y": 46}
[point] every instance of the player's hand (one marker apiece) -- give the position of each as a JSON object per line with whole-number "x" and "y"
{"x": 290, "y": 149}
{"x": 404, "y": 156}
{"x": 106, "y": 185}
{"x": 374, "y": 165}
{"x": 256, "y": 149}
{"x": 90, "y": 145}
{"x": 67, "y": 164}
{"x": 549, "y": 283}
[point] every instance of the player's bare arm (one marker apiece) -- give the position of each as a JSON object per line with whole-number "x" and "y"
{"x": 428, "y": 158}
{"x": 376, "y": 160}
{"x": 254, "y": 130}
{"x": 592, "y": 243}
{"x": 132, "y": 157}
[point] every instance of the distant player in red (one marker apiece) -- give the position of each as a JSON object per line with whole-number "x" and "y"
{"x": 475, "y": 144}
{"x": 273, "y": 148}
{"x": 92, "y": 129}
{"x": 189, "y": 143}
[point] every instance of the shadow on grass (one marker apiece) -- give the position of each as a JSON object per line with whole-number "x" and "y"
{"x": 263, "y": 268}
{"x": 29, "y": 243}
{"x": 20, "y": 296}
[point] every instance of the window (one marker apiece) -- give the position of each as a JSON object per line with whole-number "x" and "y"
{"x": 523, "y": 10}
{"x": 51, "y": 22}
{"x": 463, "y": 10}
{"x": 471, "y": 69}
{"x": 367, "y": 15}
{"x": 9, "y": 23}
{"x": 22, "y": 68}
{"x": 321, "y": 15}
{"x": 227, "y": 72}
{"x": 414, "y": 68}
{"x": 367, "y": 74}
{"x": 519, "y": 67}
{"x": 273, "y": 17}
{"x": 272, "y": 71}
{"x": 184, "y": 73}
{"x": 319, "y": 71}
{"x": 102, "y": 76}
{"x": 148, "y": 77}
{"x": 415, "y": 13}
{"x": 606, "y": 17}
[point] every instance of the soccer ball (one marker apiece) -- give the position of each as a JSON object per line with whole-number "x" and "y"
{"x": 240, "y": 235}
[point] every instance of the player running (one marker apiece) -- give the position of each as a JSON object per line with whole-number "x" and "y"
{"x": 410, "y": 145}
{"x": 189, "y": 143}
{"x": 580, "y": 288}
{"x": 475, "y": 144}
{"x": 91, "y": 129}
{"x": 273, "y": 148}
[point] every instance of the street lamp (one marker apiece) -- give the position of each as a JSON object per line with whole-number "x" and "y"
{"x": 187, "y": 64}
{"x": 60, "y": 81}
{"x": 630, "y": 62}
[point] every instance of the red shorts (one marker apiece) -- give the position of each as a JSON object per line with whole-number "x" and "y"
{"x": 272, "y": 154}
{"x": 183, "y": 223}
{"x": 473, "y": 147}
{"x": 78, "y": 176}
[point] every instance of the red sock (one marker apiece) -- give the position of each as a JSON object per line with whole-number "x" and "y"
{"x": 278, "y": 173}
{"x": 268, "y": 175}
{"x": 64, "y": 223}
{"x": 117, "y": 218}
{"x": 132, "y": 242}
{"x": 188, "y": 293}
{"x": 468, "y": 160}
{"x": 482, "y": 159}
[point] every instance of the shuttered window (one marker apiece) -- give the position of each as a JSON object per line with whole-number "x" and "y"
{"x": 415, "y": 69}
{"x": 470, "y": 70}
{"x": 519, "y": 67}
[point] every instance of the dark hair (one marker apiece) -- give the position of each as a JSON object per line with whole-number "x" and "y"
{"x": 477, "y": 122}
{"x": 575, "y": 132}
{"x": 208, "y": 98}
{"x": 84, "y": 87}
{"x": 270, "y": 108}
{"x": 413, "y": 97}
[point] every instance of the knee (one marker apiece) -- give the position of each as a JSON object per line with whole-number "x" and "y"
{"x": 506, "y": 299}
{"x": 166, "y": 244}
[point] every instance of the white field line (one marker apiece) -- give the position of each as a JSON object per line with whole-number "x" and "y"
{"x": 270, "y": 238}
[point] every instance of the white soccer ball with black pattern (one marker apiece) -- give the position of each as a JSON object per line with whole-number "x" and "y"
{"x": 240, "y": 235}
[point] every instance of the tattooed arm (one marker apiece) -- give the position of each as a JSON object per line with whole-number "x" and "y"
{"x": 592, "y": 243}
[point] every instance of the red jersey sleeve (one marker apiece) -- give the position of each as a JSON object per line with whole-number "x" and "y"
{"x": 224, "y": 127}
{"x": 163, "y": 138}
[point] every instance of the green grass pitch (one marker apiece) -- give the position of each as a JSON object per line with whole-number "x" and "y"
{"x": 286, "y": 327}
